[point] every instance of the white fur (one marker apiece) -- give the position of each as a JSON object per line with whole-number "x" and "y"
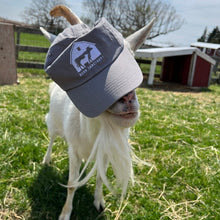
{"x": 102, "y": 139}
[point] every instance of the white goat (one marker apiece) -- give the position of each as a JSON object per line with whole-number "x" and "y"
{"x": 103, "y": 139}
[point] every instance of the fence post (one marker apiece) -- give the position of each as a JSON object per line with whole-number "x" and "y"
{"x": 18, "y": 42}
{"x": 8, "y": 71}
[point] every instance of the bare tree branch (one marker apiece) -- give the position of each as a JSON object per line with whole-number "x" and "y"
{"x": 131, "y": 15}
{"x": 37, "y": 14}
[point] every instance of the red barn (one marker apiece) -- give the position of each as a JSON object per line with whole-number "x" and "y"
{"x": 184, "y": 65}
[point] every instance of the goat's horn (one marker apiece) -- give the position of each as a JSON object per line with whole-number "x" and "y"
{"x": 49, "y": 36}
{"x": 61, "y": 10}
{"x": 136, "y": 39}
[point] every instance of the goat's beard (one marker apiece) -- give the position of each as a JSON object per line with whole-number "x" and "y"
{"x": 111, "y": 146}
{"x": 114, "y": 146}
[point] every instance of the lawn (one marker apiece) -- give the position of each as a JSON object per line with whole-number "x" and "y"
{"x": 178, "y": 133}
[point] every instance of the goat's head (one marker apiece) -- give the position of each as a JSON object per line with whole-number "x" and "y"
{"x": 124, "y": 111}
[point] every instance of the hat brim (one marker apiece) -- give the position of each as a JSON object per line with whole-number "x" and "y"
{"x": 99, "y": 93}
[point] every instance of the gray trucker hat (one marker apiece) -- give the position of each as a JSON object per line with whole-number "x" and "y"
{"x": 92, "y": 66}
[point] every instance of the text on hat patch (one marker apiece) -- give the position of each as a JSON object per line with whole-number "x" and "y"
{"x": 84, "y": 55}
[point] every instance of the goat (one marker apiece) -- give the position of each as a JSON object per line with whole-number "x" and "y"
{"x": 103, "y": 139}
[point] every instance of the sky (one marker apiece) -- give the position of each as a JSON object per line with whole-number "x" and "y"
{"x": 197, "y": 14}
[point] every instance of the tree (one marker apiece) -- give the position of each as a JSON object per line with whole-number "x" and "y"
{"x": 211, "y": 37}
{"x": 38, "y": 14}
{"x": 131, "y": 15}
{"x": 204, "y": 36}
{"x": 214, "y": 36}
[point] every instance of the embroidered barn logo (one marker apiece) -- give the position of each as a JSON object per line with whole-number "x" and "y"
{"x": 83, "y": 56}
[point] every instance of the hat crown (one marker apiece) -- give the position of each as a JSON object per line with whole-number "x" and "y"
{"x": 77, "y": 58}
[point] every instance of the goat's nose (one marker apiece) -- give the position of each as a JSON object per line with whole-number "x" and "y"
{"x": 128, "y": 97}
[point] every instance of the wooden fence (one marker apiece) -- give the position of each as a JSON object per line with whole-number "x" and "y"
{"x": 34, "y": 65}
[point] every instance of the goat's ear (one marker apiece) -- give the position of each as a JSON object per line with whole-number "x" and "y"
{"x": 49, "y": 36}
{"x": 136, "y": 39}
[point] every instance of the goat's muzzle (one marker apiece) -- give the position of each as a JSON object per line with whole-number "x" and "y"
{"x": 126, "y": 107}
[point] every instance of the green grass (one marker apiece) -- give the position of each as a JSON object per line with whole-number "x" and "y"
{"x": 146, "y": 67}
{"x": 33, "y": 40}
{"x": 31, "y": 57}
{"x": 178, "y": 133}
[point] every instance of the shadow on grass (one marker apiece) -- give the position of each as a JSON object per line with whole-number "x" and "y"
{"x": 47, "y": 197}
